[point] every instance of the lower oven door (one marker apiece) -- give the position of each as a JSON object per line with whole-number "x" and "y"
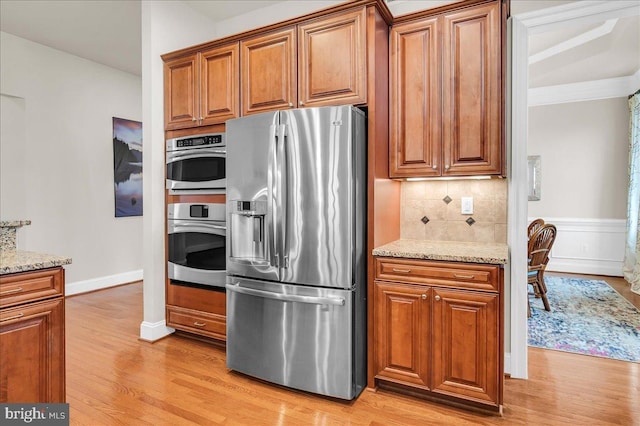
{"x": 197, "y": 252}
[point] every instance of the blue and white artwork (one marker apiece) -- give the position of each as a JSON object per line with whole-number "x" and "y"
{"x": 127, "y": 167}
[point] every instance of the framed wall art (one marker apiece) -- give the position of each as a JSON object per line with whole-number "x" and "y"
{"x": 127, "y": 167}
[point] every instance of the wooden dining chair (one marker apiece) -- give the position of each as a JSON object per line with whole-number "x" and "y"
{"x": 534, "y": 226}
{"x": 540, "y": 244}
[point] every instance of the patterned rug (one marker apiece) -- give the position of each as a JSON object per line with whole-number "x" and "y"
{"x": 587, "y": 317}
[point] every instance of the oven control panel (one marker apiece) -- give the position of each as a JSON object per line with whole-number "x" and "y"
{"x": 208, "y": 140}
{"x": 197, "y": 211}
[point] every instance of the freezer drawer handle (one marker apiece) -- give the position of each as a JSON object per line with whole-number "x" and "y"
{"x": 339, "y": 301}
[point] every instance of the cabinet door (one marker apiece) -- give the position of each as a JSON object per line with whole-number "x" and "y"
{"x": 32, "y": 352}
{"x": 332, "y": 55}
{"x": 269, "y": 72}
{"x": 466, "y": 345}
{"x": 472, "y": 94}
{"x": 181, "y": 93}
{"x": 415, "y": 146}
{"x": 219, "y": 84}
{"x": 401, "y": 324}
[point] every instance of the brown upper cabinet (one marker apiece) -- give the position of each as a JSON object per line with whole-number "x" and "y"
{"x": 447, "y": 94}
{"x": 202, "y": 88}
{"x": 330, "y": 67}
{"x": 332, "y": 55}
{"x": 269, "y": 71}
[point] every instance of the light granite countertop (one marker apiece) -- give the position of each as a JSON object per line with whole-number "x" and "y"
{"x": 14, "y": 223}
{"x": 496, "y": 254}
{"x": 12, "y": 261}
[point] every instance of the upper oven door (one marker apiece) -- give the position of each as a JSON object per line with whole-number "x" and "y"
{"x": 197, "y": 251}
{"x": 196, "y": 169}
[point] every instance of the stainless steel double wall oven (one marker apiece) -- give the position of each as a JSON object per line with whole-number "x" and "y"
{"x": 196, "y": 231}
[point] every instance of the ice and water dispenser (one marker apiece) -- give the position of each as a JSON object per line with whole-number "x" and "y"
{"x": 248, "y": 231}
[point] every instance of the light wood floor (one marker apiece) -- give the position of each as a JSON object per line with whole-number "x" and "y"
{"x": 115, "y": 379}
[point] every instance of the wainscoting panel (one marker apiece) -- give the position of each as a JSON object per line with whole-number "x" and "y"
{"x": 588, "y": 246}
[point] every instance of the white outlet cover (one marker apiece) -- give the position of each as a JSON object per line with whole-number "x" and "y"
{"x": 467, "y": 205}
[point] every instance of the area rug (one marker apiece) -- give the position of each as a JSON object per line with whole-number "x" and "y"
{"x": 587, "y": 317}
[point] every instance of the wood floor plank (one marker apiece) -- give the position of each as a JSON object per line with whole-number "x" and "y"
{"x": 113, "y": 378}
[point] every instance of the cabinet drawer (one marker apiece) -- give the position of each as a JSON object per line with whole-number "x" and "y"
{"x": 31, "y": 286}
{"x": 460, "y": 275}
{"x": 198, "y": 322}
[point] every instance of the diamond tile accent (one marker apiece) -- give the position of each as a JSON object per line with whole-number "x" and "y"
{"x": 447, "y": 199}
{"x": 470, "y": 221}
{"x": 424, "y": 219}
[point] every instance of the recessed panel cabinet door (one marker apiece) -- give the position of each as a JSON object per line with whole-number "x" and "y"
{"x": 465, "y": 345}
{"x": 32, "y": 365}
{"x": 415, "y": 145}
{"x": 219, "y": 84}
{"x": 269, "y": 72}
{"x": 402, "y": 333}
{"x": 332, "y": 55}
{"x": 472, "y": 81}
{"x": 181, "y": 93}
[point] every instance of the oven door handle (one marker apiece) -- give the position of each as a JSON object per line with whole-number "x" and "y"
{"x": 174, "y": 226}
{"x": 337, "y": 301}
{"x": 173, "y": 157}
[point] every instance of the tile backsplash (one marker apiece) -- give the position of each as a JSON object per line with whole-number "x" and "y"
{"x": 431, "y": 210}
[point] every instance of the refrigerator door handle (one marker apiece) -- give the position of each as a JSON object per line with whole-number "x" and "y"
{"x": 336, "y": 301}
{"x": 282, "y": 190}
{"x": 272, "y": 162}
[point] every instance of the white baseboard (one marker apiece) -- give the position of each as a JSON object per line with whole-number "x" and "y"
{"x": 588, "y": 246}
{"x": 152, "y": 331}
{"x": 102, "y": 282}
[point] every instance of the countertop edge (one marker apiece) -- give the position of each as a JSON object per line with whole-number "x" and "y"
{"x": 444, "y": 251}
{"x": 15, "y": 261}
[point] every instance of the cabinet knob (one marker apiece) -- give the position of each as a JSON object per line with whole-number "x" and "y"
{"x": 201, "y": 118}
{"x": 199, "y": 324}
{"x": 435, "y": 166}
{"x": 301, "y": 103}
{"x": 424, "y": 296}
{"x": 437, "y": 298}
{"x": 446, "y": 167}
{"x": 290, "y": 104}
{"x": 194, "y": 119}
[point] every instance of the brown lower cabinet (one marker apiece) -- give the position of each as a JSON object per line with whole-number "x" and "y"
{"x": 436, "y": 334}
{"x": 32, "y": 348}
{"x": 197, "y": 310}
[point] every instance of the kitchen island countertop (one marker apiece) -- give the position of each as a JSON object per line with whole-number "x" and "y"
{"x": 452, "y": 251}
{"x": 12, "y": 261}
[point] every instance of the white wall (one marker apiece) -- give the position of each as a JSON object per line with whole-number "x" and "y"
{"x": 584, "y": 148}
{"x": 63, "y": 154}
{"x": 584, "y": 151}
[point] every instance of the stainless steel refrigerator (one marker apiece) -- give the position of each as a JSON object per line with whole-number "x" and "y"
{"x": 296, "y": 235}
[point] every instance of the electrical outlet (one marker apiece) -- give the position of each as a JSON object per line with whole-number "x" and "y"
{"x": 467, "y": 205}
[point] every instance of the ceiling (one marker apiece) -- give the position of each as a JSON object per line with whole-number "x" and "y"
{"x": 109, "y": 32}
